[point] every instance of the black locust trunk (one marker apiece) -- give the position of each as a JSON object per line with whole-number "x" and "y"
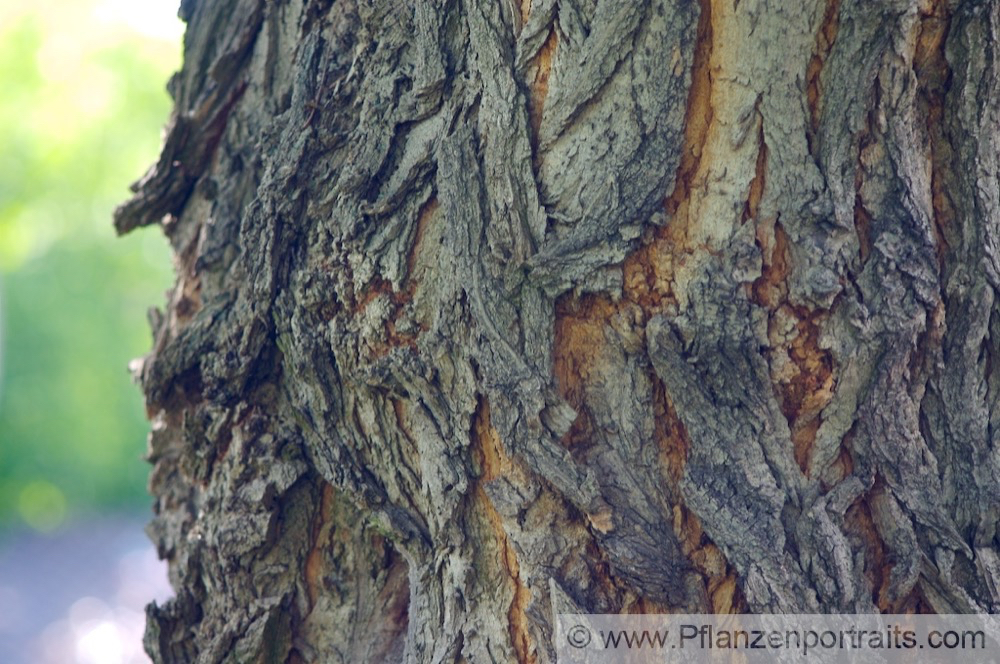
{"x": 487, "y": 310}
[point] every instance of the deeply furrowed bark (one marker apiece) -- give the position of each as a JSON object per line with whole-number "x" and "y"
{"x": 490, "y": 310}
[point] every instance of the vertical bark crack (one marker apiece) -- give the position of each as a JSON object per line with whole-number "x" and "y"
{"x": 321, "y": 528}
{"x": 933, "y": 76}
{"x": 650, "y": 271}
{"x": 495, "y": 463}
{"x": 583, "y": 321}
{"x": 579, "y": 337}
{"x": 825, "y": 38}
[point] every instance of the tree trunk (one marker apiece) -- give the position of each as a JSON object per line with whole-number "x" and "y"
{"x": 487, "y": 310}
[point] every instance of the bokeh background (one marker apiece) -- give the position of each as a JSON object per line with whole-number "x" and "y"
{"x": 82, "y": 104}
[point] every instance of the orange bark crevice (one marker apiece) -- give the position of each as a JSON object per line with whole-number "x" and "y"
{"x": 426, "y": 214}
{"x": 698, "y": 117}
{"x": 719, "y": 576}
{"x": 825, "y": 38}
{"x": 380, "y": 287}
{"x": 539, "y": 86}
{"x": 933, "y": 73}
{"x": 649, "y": 271}
{"x": 810, "y": 389}
{"x": 860, "y": 526}
{"x": 494, "y": 462}
{"x": 933, "y": 76}
{"x": 187, "y": 292}
{"x": 858, "y": 520}
{"x": 579, "y": 339}
{"x": 581, "y": 325}
{"x": 862, "y": 222}
{"x": 752, "y": 208}
{"x": 315, "y": 563}
{"x": 671, "y": 437}
{"x": 392, "y": 337}
{"x": 376, "y": 288}
{"x": 649, "y": 288}
{"x": 803, "y": 373}
{"x": 540, "y": 68}
{"x": 721, "y": 579}
{"x": 879, "y": 560}
{"x": 770, "y": 290}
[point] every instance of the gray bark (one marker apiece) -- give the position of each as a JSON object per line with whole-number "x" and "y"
{"x": 487, "y": 310}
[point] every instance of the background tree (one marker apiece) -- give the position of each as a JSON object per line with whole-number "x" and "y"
{"x": 486, "y": 310}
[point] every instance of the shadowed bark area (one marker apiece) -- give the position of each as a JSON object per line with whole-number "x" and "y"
{"x": 490, "y": 310}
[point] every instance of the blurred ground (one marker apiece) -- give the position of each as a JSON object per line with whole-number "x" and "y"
{"x": 77, "y": 595}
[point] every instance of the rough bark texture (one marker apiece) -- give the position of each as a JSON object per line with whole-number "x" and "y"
{"x": 487, "y": 310}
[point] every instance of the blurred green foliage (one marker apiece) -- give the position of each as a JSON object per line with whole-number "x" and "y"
{"x": 83, "y": 100}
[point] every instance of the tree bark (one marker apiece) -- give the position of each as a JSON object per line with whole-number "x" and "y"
{"x": 487, "y": 310}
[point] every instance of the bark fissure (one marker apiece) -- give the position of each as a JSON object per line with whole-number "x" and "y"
{"x": 933, "y": 77}
{"x": 490, "y": 311}
{"x": 825, "y": 38}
